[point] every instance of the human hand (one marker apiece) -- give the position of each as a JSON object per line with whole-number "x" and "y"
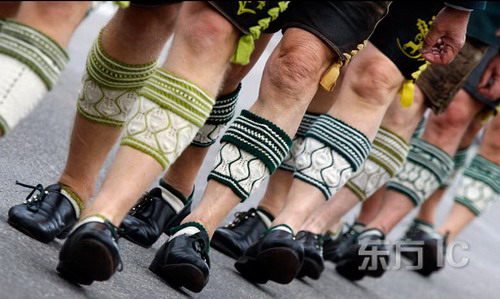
{"x": 446, "y": 36}
{"x": 489, "y": 85}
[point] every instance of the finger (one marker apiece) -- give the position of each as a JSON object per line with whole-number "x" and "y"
{"x": 485, "y": 77}
{"x": 430, "y": 40}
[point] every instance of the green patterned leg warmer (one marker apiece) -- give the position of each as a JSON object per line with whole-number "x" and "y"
{"x": 306, "y": 123}
{"x": 460, "y": 162}
{"x": 425, "y": 169}
{"x": 221, "y": 115}
{"x": 387, "y": 156}
{"x": 331, "y": 153}
{"x": 110, "y": 87}
{"x": 30, "y": 65}
{"x": 479, "y": 186}
{"x": 251, "y": 150}
{"x": 166, "y": 117}
{"x": 419, "y": 130}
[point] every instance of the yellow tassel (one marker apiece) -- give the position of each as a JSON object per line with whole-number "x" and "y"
{"x": 243, "y": 50}
{"x": 406, "y": 93}
{"x": 329, "y": 79}
{"x": 122, "y": 4}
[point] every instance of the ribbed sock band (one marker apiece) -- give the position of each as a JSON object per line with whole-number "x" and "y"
{"x": 425, "y": 169}
{"x": 33, "y": 48}
{"x": 110, "y": 87}
{"x": 307, "y": 121}
{"x": 266, "y": 217}
{"x": 387, "y": 156}
{"x": 460, "y": 160}
{"x": 350, "y": 143}
{"x": 180, "y": 96}
{"x": 419, "y": 130}
{"x": 332, "y": 151}
{"x": 252, "y": 148}
{"x": 221, "y": 114}
{"x": 114, "y": 74}
{"x": 173, "y": 197}
{"x": 479, "y": 186}
{"x": 166, "y": 117}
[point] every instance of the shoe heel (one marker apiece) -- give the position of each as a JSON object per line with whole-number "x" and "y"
{"x": 156, "y": 268}
{"x": 64, "y": 234}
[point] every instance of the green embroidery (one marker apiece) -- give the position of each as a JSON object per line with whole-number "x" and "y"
{"x": 34, "y": 49}
{"x": 110, "y": 73}
{"x": 180, "y": 96}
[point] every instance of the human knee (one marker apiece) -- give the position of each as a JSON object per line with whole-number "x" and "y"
{"x": 374, "y": 80}
{"x": 295, "y": 68}
{"x": 138, "y": 21}
{"x": 456, "y": 117}
{"x": 203, "y": 28}
{"x": 69, "y": 12}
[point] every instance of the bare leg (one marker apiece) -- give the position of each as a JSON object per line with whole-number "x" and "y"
{"x": 204, "y": 40}
{"x": 445, "y": 132}
{"x": 460, "y": 216}
{"x": 288, "y": 85}
{"x": 48, "y": 16}
{"x": 280, "y": 182}
{"x": 122, "y": 39}
{"x": 399, "y": 120}
{"x": 182, "y": 174}
{"x": 427, "y": 212}
{"x": 357, "y": 97}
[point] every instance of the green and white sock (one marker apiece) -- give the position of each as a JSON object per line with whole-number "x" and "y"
{"x": 173, "y": 197}
{"x": 419, "y": 130}
{"x": 266, "y": 217}
{"x": 110, "y": 87}
{"x": 480, "y": 185}
{"x": 166, "y": 117}
{"x": 31, "y": 63}
{"x": 75, "y": 201}
{"x": 425, "y": 169}
{"x": 252, "y": 148}
{"x": 221, "y": 115}
{"x": 188, "y": 228}
{"x": 306, "y": 123}
{"x": 282, "y": 227}
{"x": 460, "y": 160}
{"x": 331, "y": 153}
{"x": 387, "y": 156}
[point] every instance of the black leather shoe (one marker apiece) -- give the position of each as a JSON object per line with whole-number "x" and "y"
{"x": 90, "y": 253}
{"x": 331, "y": 245}
{"x": 184, "y": 261}
{"x": 275, "y": 256}
{"x": 313, "y": 264}
{"x": 424, "y": 248}
{"x": 45, "y": 216}
{"x": 151, "y": 217}
{"x": 235, "y": 238}
{"x": 365, "y": 254}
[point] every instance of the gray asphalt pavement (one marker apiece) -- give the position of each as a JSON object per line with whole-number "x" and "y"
{"x": 35, "y": 152}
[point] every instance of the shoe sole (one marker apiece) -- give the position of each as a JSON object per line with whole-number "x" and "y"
{"x": 429, "y": 264}
{"x": 311, "y": 269}
{"x": 250, "y": 269}
{"x": 181, "y": 275}
{"x": 86, "y": 262}
{"x": 349, "y": 268}
{"x": 220, "y": 247}
{"x": 62, "y": 235}
{"x": 281, "y": 264}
